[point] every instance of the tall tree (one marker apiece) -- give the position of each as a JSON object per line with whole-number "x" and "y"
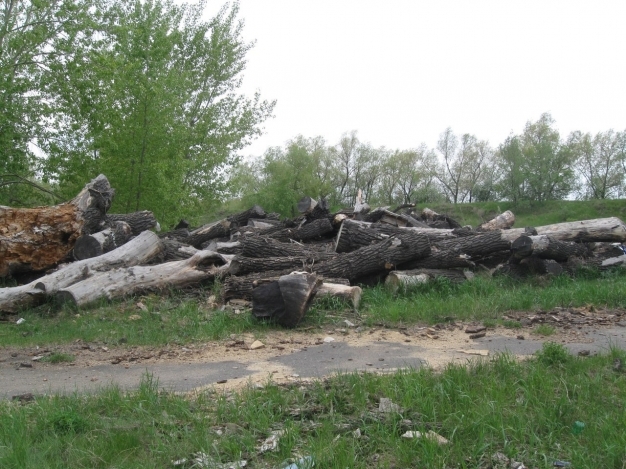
{"x": 152, "y": 102}
{"x": 600, "y": 162}
{"x": 32, "y": 35}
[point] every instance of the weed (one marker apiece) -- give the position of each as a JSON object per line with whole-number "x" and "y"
{"x": 58, "y": 357}
{"x": 544, "y": 330}
{"x": 511, "y": 324}
{"x": 553, "y": 354}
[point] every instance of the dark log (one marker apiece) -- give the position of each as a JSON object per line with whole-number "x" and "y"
{"x": 435, "y": 220}
{"x": 407, "y": 278}
{"x": 139, "y": 250}
{"x": 96, "y": 244}
{"x": 381, "y": 257}
{"x": 268, "y": 247}
{"x": 222, "y": 228}
{"x": 321, "y": 210}
{"x": 175, "y": 250}
{"x": 306, "y": 204}
{"x": 532, "y": 265}
{"x": 400, "y": 220}
{"x": 182, "y": 224}
{"x": 439, "y": 260}
{"x": 138, "y": 221}
{"x": 286, "y": 299}
{"x": 504, "y": 221}
{"x": 546, "y": 247}
{"x": 36, "y": 239}
{"x": 476, "y": 246}
{"x": 117, "y": 283}
{"x": 241, "y": 265}
{"x": 179, "y": 234}
{"x": 599, "y": 229}
{"x": 310, "y": 231}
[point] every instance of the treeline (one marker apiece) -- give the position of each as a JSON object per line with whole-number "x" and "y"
{"x": 536, "y": 165}
{"x": 144, "y": 91}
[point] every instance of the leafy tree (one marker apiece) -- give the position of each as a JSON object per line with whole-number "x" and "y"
{"x": 512, "y": 185}
{"x": 32, "y": 36}
{"x": 600, "y": 162}
{"x": 150, "y": 99}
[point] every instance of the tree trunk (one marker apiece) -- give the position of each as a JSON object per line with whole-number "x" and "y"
{"x": 117, "y": 283}
{"x": 599, "y": 229}
{"x": 36, "y": 239}
{"x": 503, "y": 221}
{"x": 476, "y": 246}
{"x": 138, "y": 221}
{"x": 381, "y": 257}
{"x": 139, "y": 250}
{"x": 262, "y": 247}
{"x": 307, "y": 232}
{"x": 96, "y": 244}
{"x": 546, "y": 247}
{"x": 439, "y": 260}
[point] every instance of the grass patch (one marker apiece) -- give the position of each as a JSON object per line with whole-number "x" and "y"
{"x": 58, "y": 357}
{"x": 527, "y": 411}
{"x": 544, "y": 330}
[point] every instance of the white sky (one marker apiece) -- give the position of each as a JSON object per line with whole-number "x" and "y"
{"x": 401, "y": 71}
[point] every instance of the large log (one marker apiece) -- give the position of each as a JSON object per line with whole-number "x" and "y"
{"x": 285, "y": 299}
{"x": 381, "y": 257}
{"x": 262, "y": 247}
{"x": 242, "y": 265}
{"x": 36, "y": 239}
{"x": 599, "y": 229}
{"x": 117, "y": 283}
{"x": 307, "y": 232}
{"x": 476, "y": 246}
{"x": 546, "y": 247}
{"x": 96, "y": 244}
{"x": 222, "y": 228}
{"x": 439, "y": 260}
{"x": 139, "y": 250}
{"x": 504, "y": 221}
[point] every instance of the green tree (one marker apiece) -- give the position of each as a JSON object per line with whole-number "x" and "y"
{"x": 151, "y": 100}
{"x": 33, "y": 34}
{"x": 600, "y": 162}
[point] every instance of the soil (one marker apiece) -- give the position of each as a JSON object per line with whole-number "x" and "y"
{"x": 286, "y": 356}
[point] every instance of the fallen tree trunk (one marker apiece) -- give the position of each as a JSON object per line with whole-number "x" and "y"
{"x": 546, "y": 247}
{"x": 600, "y": 229}
{"x": 310, "y": 231}
{"x": 140, "y": 250}
{"x": 96, "y": 244}
{"x": 476, "y": 246}
{"x": 117, "y": 283}
{"x": 222, "y": 228}
{"x": 439, "y": 260}
{"x": 261, "y": 247}
{"x": 36, "y": 239}
{"x": 503, "y": 221}
{"x": 242, "y": 265}
{"x": 381, "y": 257}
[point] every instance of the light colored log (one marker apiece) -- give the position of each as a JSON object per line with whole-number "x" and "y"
{"x": 335, "y": 290}
{"x": 118, "y": 283}
{"x": 599, "y": 229}
{"x": 139, "y": 250}
{"x": 503, "y": 221}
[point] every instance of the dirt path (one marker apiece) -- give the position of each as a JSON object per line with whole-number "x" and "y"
{"x": 288, "y": 356}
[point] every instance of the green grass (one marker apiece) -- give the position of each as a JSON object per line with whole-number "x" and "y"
{"x": 525, "y": 410}
{"x": 544, "y": 330}
{"x": 58, "y": 357}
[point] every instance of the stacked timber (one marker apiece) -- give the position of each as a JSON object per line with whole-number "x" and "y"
{"x": 281, "y": 266}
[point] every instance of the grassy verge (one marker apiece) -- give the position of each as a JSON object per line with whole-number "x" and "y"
{"x": 526, "y": 411}
{"x": 179, "y": 319}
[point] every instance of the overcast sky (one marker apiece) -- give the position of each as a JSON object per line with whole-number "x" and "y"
{"x": 401, "y": 71}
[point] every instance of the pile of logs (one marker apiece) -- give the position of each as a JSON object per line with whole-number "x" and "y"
{"x": 80, "y": 253}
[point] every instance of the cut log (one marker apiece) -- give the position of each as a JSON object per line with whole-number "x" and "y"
{"x": 262, "y": 247}
{"x": 138, "y": 221}
{"x": 117, "y": 283}
{"x": 36, "y": 239}
{"x": 401, "y": 279}
{"x": 599, "y": 229}
{"x": 222, "y": 228}
{"x": 310, "y": 231}
{"x": 400, "y": 220}
{"x": 336, "y": 290}
{"x": 286, "y": 299}
{"x": 306, "y": 204}
{"x": 139, "y": 250}
{"x": 439, "y": 260}
{"x": 476, "y": 246}
{"x": 231, "y": 247}
{"x": 175, "y": 251}
{"x": 381, "y": 257}
{"x": 242, "y": 265}
{"x": 96, "y": 244}
{"x": 504, "y": 221}
{"x": 179, "y": 234}
{"x": 435, "y": 220}
{"x": 546, "y": 247}
{"x": 241, "y": 219}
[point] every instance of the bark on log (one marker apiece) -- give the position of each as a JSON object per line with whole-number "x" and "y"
{"x": 222, "y": 228}
{"x": 384, "y": 256}
{"x": 546, "y": 247}
{"x": 175, "y": 251}
{"x": 400, "y": 220}
{"x": 262, "y": 247}
{"x": 117, "y": 283}
{"x": 407, "y": 278}
{"x": 241, "y": 265}
{"x": 36, "y": 239}
{"x": 285, "y": 299}
{"x": 307, "y": 232}
{"x": 435, "y": 220}
{"x": 139, "y": 250}
{"x": 476, "y": 246}
{"x": 179, "y": 234}
{"x": 599, "y": 229}
{"x": 439, "y": 260}
{"x": 138, "y": 221}
{"x": 96, "y": 244}
{"x": 503, "y": 221}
